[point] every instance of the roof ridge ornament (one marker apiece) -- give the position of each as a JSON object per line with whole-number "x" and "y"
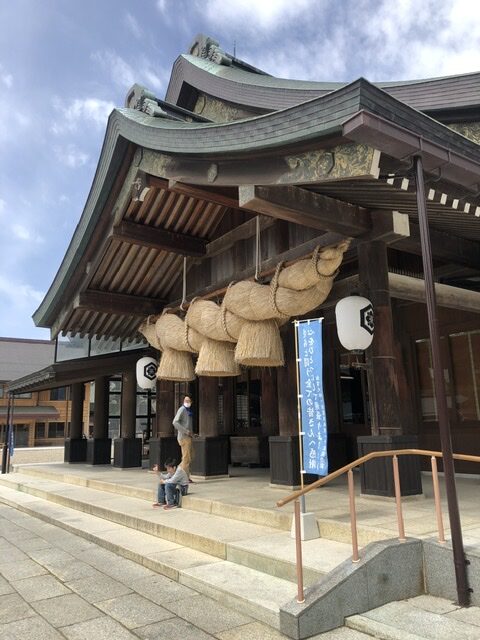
{"x": 205, "y": 47}
{"x": 142, "y": 99}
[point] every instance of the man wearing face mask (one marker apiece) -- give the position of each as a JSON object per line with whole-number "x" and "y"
{"x": 183, "y": 425}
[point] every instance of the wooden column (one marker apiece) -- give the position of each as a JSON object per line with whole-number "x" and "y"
{"x": 165, "y": 409}
{"x": 381, "y": 358}
{"x": 129, "y": 400}
{"x": 76, "y": 424}
{"x": 269, "y": 402}
{"x": 208, "y": 406}
{"x": 211, "y": 449}
{"x": 382, "y": 371}
{"x": 100, "y": 415}
{"x": 100, "y": 446}
{"x": 287, "y": 382}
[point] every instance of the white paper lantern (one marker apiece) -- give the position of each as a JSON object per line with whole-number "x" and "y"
{"x": 147, "y": 373}
{"x": 355, "y": 324}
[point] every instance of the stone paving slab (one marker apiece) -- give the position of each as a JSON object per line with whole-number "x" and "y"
{"x": 103, "y": 628}
{"x": 174, "y": 629}
{"x": 133, "y": 610}
{"x": 13, "y": 607}
{"x": 98, "y": 587}
{"x": 65, "y": 610}
{"x": 34, "y": 627}
{"x": 207, "y": 614}
{"x": 39, "y": 588}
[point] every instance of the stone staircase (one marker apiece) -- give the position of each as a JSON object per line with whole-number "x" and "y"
{"x": 247, "y": 566}
{"x": 245, "y": 559}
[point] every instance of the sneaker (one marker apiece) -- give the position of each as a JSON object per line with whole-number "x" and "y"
{"x": 158, "y": 504}
{"x": 167, "y": 507}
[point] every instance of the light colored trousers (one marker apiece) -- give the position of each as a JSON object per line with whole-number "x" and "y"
{"x": 187, "y": 453}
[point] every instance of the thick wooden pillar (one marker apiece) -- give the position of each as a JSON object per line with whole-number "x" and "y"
{"x": 163, "y": 444}
{"x": 99, "y": 447}
{"x": 284, "y": 448}
{"x": 383, "y": 366}
{"x": 211, "y": 449}
{"x": 129, "y": 400}
{"x": 381, "y": 356}
{"x": 207, "y": 406}
{"x": 287, "y": 382}
{"x": 100, "y": 415}
{"x": 128, "y": 448}
{"x": 165, "y": 409}
{"x": 76, "y": 424}
{"x": 269, "y": 402}
{"x": 75, "y": 444}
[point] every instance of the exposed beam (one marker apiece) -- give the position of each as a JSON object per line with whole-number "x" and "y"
{"x": 445, "y": 246}
{"x": 154, "y": 238}
{"x": 411, "y": 289}
{"x": 388, "y": 226}
{"x": 242, "y": 232}
{"x": 118, "y": 303}
{"x": 305, "y": 207}
{"x": 209, "y": 195}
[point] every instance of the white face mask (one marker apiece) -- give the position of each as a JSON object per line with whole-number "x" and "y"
{"x": 187, "y": 404}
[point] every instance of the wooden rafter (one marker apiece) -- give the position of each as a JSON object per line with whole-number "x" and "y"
{"x": 118, "y": 303}
{"x": 305, "y": 207}
{"x": 155, "y": 238}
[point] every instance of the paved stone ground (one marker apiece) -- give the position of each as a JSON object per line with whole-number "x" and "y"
{"x": 55, "y": 585}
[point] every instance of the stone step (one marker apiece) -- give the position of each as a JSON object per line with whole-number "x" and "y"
{"x": 275, "y": 519}
{"x": 262, "y": 548}
{"x": 256, "y": 594}
{"x": 422, "y": 618}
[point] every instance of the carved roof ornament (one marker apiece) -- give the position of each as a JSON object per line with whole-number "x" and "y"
{"x": 209, "y": 49}
{"x": 142, "y": 99}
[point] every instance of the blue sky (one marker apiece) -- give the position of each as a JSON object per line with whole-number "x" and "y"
{"x": 64, "y": 65}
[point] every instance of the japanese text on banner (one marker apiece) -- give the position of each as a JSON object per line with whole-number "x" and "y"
{"x": 312, "y": 403}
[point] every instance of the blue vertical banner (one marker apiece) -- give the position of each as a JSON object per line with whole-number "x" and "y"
{"x": 313, "y": 422}
{"x": 11, "y": 440}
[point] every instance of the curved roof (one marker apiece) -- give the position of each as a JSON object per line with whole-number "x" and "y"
{"x": 295, "y": 118}
{"x": 268, "y": 93}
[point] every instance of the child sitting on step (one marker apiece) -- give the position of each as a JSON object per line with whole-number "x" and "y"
{"x": 171, "y": 483}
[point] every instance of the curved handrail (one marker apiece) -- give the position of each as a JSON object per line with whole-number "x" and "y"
{"x": 366, "y": 458}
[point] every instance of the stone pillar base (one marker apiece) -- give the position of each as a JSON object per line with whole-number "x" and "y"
{"x": 162, "y": 449}
{"x": 99, "y": 451}
{"x": 75, "y": 450}
{"x": 210, "y": 456}
{"x": 285, "y": 462}
{"x": 127, "y": 452}
{"x": 377, "y": 475}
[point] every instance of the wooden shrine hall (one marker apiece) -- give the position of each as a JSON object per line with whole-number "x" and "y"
{"x": 235, "y": 176}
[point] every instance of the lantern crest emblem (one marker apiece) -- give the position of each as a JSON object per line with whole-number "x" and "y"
{"x": 150, "y": 371}
{"x": 366, "y": 319}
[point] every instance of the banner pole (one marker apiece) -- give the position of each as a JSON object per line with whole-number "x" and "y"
{"x": 299, "y": 415}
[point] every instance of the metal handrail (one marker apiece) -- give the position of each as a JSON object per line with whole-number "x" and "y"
{"x": 365, "y": 458}
{"x": 348, "y": 469}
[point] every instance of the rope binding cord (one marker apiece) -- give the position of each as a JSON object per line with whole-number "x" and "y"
{"x": 184, "y": 290}
{"x": 257, "y": 248}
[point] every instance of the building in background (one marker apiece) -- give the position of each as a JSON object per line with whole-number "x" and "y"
{"x": 40, "y": 418}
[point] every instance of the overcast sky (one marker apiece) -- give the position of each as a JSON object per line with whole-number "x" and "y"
{"x": 65, "y": 64}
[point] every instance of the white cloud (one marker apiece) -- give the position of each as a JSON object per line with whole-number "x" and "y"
{"x": 133, "y": 25}
{"x": 3, "y": 205}
{"x": 5, "y": 77}
{"x": 80, "y": 110}
{"x": 22, "y": 232}
{"x": 71, "y": 156}
{"x": 20, "y": 294}
{"x": 125, "y": 75}
{"x": 253, "y": 14}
